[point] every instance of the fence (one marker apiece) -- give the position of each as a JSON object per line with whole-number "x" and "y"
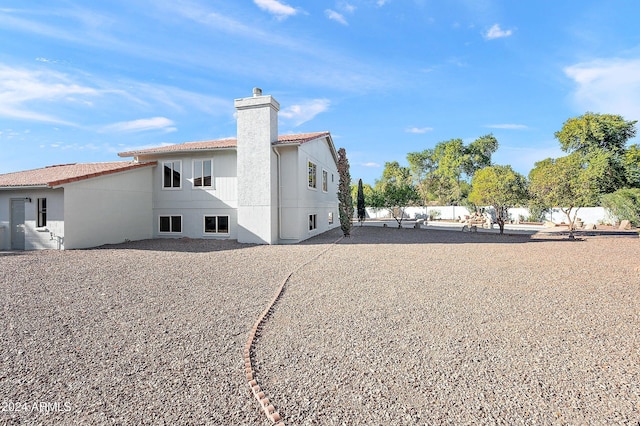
{"x": 595, "y": 215}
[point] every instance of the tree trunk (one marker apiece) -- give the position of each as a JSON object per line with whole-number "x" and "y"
{"x": 567, "y": 212}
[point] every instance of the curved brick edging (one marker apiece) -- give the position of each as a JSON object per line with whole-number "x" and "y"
{"x": 258, "y": 393}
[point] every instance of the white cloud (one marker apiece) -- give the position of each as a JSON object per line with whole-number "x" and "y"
{"x": 497, "y": 32}
{"x": 25, "y": 93}
{"x": 608, "y": 86}
{"x": 507, "y": 126}
{"x": 74, "y": 146}
{"x": 141, "y": 125}
{"x": 335, "y": 16}
{"x": 418, "y": 130}
{"x": 274, "y": 7}
{"x": 346, "y": 7}
{"x": 381, "y": 3}
{"x": 303, "y": 112}
{"x": 370, "y": 164}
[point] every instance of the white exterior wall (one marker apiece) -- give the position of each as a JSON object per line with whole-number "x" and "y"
{"x": 193, "y": 203}
{"x": 108, "y": 209}
{"x": 298, "y": 201}
{"x": 34, "y": 238}
{"x": 595, "y": 215}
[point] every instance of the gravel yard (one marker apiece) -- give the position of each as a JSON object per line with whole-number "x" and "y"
{"x": 391, "y": 326}
{"x": 406, "y": 327}
{"x": 148, "y": 332}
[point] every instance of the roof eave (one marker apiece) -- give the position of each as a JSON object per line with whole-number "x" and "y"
{"x": 136, "y": 154}
{"x": 18, "y": 187}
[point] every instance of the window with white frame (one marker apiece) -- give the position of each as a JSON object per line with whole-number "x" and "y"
{"x": 202, "y": 173}
{"x": 325, "y": 181}
{"x": 171, "y": 174}
{"x": 216, "y": 224}
{"x": 313, "y": 221}
{"x": 330, "y": 218}
{"x": 170, "y": 224}
{"x": 42, "y": 212}
{"x": 312, "y": 175}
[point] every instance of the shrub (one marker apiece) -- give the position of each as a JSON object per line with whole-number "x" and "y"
{"x": 624, "y": 204}
{"x": 537, "y": 213}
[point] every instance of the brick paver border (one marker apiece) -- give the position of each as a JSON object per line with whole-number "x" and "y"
{"x": 265, "y": 404}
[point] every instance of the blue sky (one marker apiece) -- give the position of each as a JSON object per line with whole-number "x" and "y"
{"x": 81, "y": 81}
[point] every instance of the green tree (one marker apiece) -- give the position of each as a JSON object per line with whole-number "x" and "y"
{"x": 631, "y": 162}
{"x": 478, "y": 154}
{"x": 394, "y": 191}
{"x": 596, "y": 131}
{"x": 345, "y": 202}
{"x": 500, "y": 187}
{"x": 443, "y": 173}
{"x": 565, "y": 182}
{"x": 601, "y": 139}
{"x": 367, "y": 189}
{"x": 624, "y": 204}
{"x": 360, "y": 203}
{"x": 422, "y": 166}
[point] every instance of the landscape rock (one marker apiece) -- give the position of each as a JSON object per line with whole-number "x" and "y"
{"x": 625, "y": 224}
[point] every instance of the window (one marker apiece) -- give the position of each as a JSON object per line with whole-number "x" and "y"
{"x": 312, "y": 222}
{"x": 330, "y": 218}
{"x": 312, "y": 175}
{"x": 171, "y": 176}
{"x": 171, "y": 224}
{"x": 325, "y": 179}
{"x": 202, "y": 173}
{"x": 42, "y": 212}
{"x": 216, "y": 224}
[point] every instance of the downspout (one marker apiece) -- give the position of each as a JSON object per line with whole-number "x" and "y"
{"x": 279, "y": 194}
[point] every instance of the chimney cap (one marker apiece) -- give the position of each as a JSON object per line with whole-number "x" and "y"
{"x": 257, "y": 91}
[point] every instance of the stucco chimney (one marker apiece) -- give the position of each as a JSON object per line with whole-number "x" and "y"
{"x": 257, "y": 168}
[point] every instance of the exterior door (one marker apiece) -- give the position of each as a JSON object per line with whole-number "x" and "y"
{"x": 17, "y": 224}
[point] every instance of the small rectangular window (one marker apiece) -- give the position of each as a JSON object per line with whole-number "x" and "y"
{"x": 165, "y": 224}
{"x": 312, "y": 175}
{"x": 42, "y": 212}
{"x": 216, "y": 224}
{"x": 312, "y": 222}
{"x": 330, "y": 218}
{"x": 223, "y": 224}
{"x": 176, "y": 223}
{"x": 171, "y": 174}
{"x": 202, "y": 173}
{"x": 171, "y": 224}
{"x": 325, "y": 181}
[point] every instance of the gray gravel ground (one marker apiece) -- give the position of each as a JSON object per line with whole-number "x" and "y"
{"x": 406, "y": 327}
{"x": 149, "y": 332}
{"x": 427, "y": 327}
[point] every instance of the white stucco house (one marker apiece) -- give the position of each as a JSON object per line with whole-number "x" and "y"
{"x": 259, "y": 188}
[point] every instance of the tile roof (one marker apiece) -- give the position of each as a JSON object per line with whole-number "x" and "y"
{"x": 219, "y": 144}
{"x": 299, "y": 138}
{"x": 183, "y": 147}
{"x": 64, "y": 173}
